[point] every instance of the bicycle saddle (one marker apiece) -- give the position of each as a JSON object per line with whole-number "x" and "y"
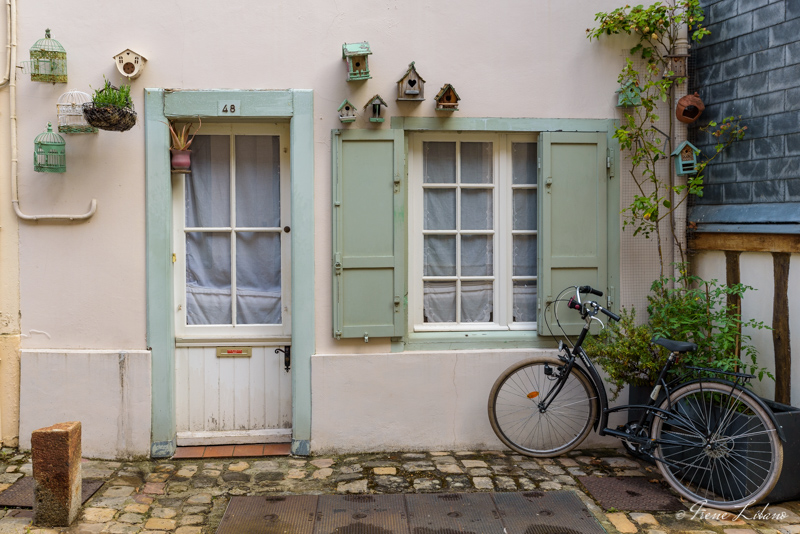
{"x": 675, "y": 346}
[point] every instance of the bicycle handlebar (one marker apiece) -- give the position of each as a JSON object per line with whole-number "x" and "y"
{"x": 610, "y": 314}
{"x": 590, "y": 289}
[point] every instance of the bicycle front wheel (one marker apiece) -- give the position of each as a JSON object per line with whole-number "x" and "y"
{"x": 717, "y": 446}
{"x": 528, "y": 421}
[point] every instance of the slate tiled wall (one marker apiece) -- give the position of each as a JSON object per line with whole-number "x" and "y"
{"x": 750, "y": 66}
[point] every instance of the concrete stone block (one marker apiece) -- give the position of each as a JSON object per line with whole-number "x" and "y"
{"x": 772, "y": 58}
{"x": 768, "y": 191}
{"x": 750, "y": 5}
{"x": 717, "y": 53}
{"x": 785, "y": 78}
{"x": 757, "y": 127}
{"x": 752, "y": 171}
{"x": 721, "y": 92}
{"x": 737, "y": 68}
{"x": 738, "y": 192}
{"x": 787, "y": 32}
{"x": 768, "y": 104}
{"x": 793, "y": 99}
{"x": 753, "y": 85}
{"x": 723, "y": 10}
{"x": 793, "y": 145}
{"x": 793, "y": 189}
{"x": 717, "y": 173}
{"x": 792, "y": 10}
{"x": 784, "y": 123}
{"x": 56, "y": 453}
{"x": 768, "y": 16}
{"x": 752, "y": 42}
{"x": 768, "y": 147}
{"x": 782, "y": 168}
{"x": 738, "y": 151}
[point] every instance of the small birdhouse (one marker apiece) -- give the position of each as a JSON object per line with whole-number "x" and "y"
{"x": 686, "y": 159}
{"x": 375, "y": 104}
{"x": 411, "y": 86}
{"x": 49, "y": 152}
{"x": 447, "y": 99}
{"x": 676, "y": 66}
{"x": 689, "y": 108}
{"x": 48, "y": 61}
{"x": 347, "y": 112}
{"x": 356, "y": 56}
{"x": 630, "y": 95}
{"x": 70, "y": 113}
{"x": 130, "y": 63}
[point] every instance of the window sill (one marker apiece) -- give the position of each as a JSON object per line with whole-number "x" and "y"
{"x": 481, "y": 340}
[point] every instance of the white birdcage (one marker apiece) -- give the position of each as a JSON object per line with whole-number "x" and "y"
{"x": 70, "y": 113}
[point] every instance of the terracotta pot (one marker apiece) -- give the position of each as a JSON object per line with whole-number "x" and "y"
{"x": 689, "y": 108}
{"x": 181, "y": 159}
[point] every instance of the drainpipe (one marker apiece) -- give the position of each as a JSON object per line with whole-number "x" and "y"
{"x": 11, "y": 81}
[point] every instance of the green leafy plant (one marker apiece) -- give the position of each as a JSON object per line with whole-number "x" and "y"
{"x": 181, "y": 140}
{"x": 659, "y": 193}
{"x": 112, "y": 96}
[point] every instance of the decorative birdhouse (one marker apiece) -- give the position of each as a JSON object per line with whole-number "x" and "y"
{"x": 375, "y": 103}
{"x": 630, "y": 95}
{"x": 676, "y": 66}
{"x": 48, "y": 61}
{"x": 411, "y": 86}
{"x": 686, "y": 159}
{"x": 347, "y": 112}
{"x": 49, "y": 152}
{"x": 447, "y": 99}
{"x": 356, "y": 56}
{"x": 689, "y": 108}
{"x": 70, "y": 113}
{"x": 130, "y": 63}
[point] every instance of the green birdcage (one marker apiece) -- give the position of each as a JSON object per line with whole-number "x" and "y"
{"x": 49, "y": 152}
{"x": 48, "y": 61}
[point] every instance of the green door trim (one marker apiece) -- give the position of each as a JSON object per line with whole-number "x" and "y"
{"x": 160, "y": 105}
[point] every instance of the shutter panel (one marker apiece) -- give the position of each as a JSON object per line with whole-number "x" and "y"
{"x": 573, "y": 224}
{"x": 368, "y": 238}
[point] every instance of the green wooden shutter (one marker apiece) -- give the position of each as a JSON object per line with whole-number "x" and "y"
{"x": 573, "y": 224}
{"x": 368, "y": 238}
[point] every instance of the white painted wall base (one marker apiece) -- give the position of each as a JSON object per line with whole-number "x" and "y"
{"x": 409, "y": 401}
{"x": 107, "y": 391}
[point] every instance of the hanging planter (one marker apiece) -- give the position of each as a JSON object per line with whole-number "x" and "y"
{"x": 181, "y": 156}
{"x": 111, "y": 108}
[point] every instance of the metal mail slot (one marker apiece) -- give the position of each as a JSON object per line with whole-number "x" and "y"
{"x": 234, "y": 352}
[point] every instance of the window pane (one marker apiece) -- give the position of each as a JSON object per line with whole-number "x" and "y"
{"x": 476, "y": 302}
{"x": 439, "y": 163}
{"x": 525, "y": 301}
{"x": 258, "y": 278}
{"x": 523, "y": 163}
{"x": 524, "y": 255}
{"x": 476, "y": 255}
{"x": 476, "y": 163}
{"x": 208, "y": 187}
{"x": 439, "y": 302}
{"x": 258, "y": 181}
{"x": 440, "y": 209}
{"x": 476, "y": 209}
{"x": 208, "y": 278}
{"x": 440, "y": 255}
{"x": 525, "y": 209}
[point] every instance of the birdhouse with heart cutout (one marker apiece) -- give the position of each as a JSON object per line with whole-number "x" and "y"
{"x": 686, "y": 159}
{"x": 411, "y": 87}
{"x": 447, "y": 99}
{"x": 347, "y": 112}
{"x": 375, "y": 103}
{"x": 357, "y": 64}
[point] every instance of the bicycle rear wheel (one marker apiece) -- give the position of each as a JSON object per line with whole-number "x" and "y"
{"x": 519, "y": 418}
{"x": 718, "y": 445}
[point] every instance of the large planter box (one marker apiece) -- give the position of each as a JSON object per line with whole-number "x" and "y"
{"x": 787, "y": 488}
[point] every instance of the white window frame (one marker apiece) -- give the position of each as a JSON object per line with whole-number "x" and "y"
{"x": 247, "y": 332}
{"x": 502, "y": 227}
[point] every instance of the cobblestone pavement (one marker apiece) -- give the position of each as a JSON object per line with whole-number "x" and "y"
{"x": 190, "y": 496}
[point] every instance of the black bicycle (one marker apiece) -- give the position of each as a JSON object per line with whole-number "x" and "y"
{"x": 713, "y": 440}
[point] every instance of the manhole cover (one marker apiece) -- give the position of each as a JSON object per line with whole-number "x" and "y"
{"x": 552, "y": 512}
{"x": 463, "y": 513}
{"x": 20, "y": 493}
{"x": 361, "y": 514}
{"x": 631, "y": 493}
{"x": 269, "y": 515}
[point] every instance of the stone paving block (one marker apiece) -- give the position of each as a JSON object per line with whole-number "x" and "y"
{"x": 549, "y": 485}
{"x": 321, "y": 474}
{"x": 200, "y": 498}
{"x": 789, "y": 529}
{"x": 118, "y": 491}
{"x": 293, "y": 473}
{"x": 483, "y": 483}
{"x": 238, "y": 466}
{"x": 99, "y": 515}
{"x": 131, "y": 518}
{"x": 787, "y": 515}
{"x": 391, "y": 482}
{"x": 415, "y": 467}
{"x": 451, "y": 469}
{"x": 154, "y": 488}
{"x": 164, "y": 513}
{"x": 56, "y": 455}
{"x": 155, "y": 523}
{"x": 384, "y": 470}
{"x": 740, "y": 531}
{"x": 644, "y": 519}
{"x": 357, "y": 486}
{"x": 622, "y": 523}
{"x": 189, "y": 530}
{"x": 505, "y": 483}
{"x": 137, "y": 508}
{"x": 444, "y": 460}
{"x": 322, "y": 463}
{"x": 427, "y": 484}
{"x": 554, "y": 470}
{"x": 152, "y": 477}
{"x": 474, "y": 463}
{"x": 192, "y": 520}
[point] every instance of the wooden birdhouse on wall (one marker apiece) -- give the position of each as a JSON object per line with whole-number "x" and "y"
{"x": 347, "y": 112}
{"x": 447, "y": 99}
{"x": 375, "y": 104}
{"x": 411, "y": 87}
{"x": 130, "y": 63}
{"x": 357, "y": 64}
{"x": 630, "y": 95}
{"x": 686, "y": 159}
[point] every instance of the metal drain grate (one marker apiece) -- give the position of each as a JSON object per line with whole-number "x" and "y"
{"x": 557, "y": 512}
{"x": 631, "y": 493}
{"x": 20, "y": 493}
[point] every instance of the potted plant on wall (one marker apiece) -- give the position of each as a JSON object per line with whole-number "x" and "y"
{"x": 111, "y": 108}
{"x": 179, "y": 147}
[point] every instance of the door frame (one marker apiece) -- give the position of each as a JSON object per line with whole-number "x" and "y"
{"x": 296, "y": 105}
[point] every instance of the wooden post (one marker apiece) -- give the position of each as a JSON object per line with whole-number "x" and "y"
{"x": 56, "y": 452}
{"x": 780, "y": 328}
{"x": 732, "y": 277}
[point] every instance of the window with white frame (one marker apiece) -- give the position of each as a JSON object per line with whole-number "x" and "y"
{"x": 472, "y": 231}
{"x": 232, "y": 214}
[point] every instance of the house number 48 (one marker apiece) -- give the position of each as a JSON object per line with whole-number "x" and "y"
{"x": 227, "y": 108}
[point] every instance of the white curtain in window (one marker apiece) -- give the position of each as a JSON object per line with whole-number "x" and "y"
{"x": 258, "y": 254}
